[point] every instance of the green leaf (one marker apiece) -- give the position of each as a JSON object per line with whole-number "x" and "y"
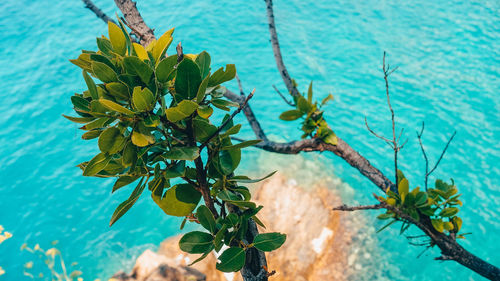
{"x": 118, "y": 90}
{"x": 242, "y": 144}
{"x": 136, "y": 66}
{"x": 96, "y": 124}
{"x": 180, "y": 200}
{"x": 400, "y": 175}
{"x": 97, "y": 164}
{"x": 205, "y": 111}
{"x": 403, "y": 188}
{"x": 162, "y": 44}
{"x": 123, "y": 181}
{"x": 188, "y": 79}
{"x": 385, "y": 216}
{"x": 220, "y": 76}
{"x": 196, "y": 242}
{"x": 200, "y": 258}
{"x": 229, "y": 160}
{"x": 203, "y": 129}
{"x": 386, "y": 226}
{"x": 181, "y": 111}
{"x": 218, "y": 237}
{"x": 91, "y": 85}
{"x": 129, "y": 154}
{"x": 203, "y": 61}
{"x": 127, "y": 204}
{"x": 206, "y": 218}
{"x": 200, "y": 95}
{"x": 91, "y": 134}
{"x": 103, "y": 72}
{"x": 80, "y": 103}
{"x": 330, "y": 138}
{"x": 457, "y": 222}
{"x": 165, "y": 69}
{"x": 143, "y": 99}
{"x": 115, "y": 107}
{"x": 325, "y": 100}
{"x": 223, "y": 104}
{"x": 448, "y": 226}
{"x": 142, "y": 139}
{"x": 449, "y": 212}
{"x": 269, "y": 241}
{"x": 103, "y": 59}
{"x": 104, "y": 45}
{"x": 111, "y": 140}
{"x": 310, "y": 92}
{"x": 421, "y": 198}
{"x": 247, "y": 180}
{"x": 437, "y": 224}
{"x": 231, "y": 260}
{"x": 182, "y": 153}
{"x": 178, "y": 170}
{"x": 232, "y": 131}
{"x": 117, "y": 38}
{"x": 291, "y": 115}
{"x": 81, "y": 120}
{"x": 304, "y": 106}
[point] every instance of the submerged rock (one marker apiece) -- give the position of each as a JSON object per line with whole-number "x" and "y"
{"x": 316, "y": 247}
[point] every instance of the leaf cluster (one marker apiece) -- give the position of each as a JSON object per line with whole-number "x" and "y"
{"x": 440, "y": 204}
{"x": 313, "y": 123}
{"x": 152, "y": 115}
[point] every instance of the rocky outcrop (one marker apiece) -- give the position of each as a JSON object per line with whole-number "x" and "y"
{"x": 316, "y": 247}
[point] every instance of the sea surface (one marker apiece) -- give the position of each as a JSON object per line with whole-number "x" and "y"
{"x": 448, "y": 54}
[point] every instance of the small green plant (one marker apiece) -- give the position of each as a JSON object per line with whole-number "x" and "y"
{"x": 440, "y": 204}
{"x": 4, "y": 235}
{"x": 313, "y": 125}
{"x": 152, "y": 114}
{"x": 54, "y": 261}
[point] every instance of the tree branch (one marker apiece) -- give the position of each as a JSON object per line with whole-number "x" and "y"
{"x": 342, "y": 149}
{"x": 247, "y": 110}
{"x": 98, "y": 12}
{"x": 135, "y": 21}
{"x": 283, "y": 97}
{"x": 277, "y": 52}
{"x": 357, "y": 208}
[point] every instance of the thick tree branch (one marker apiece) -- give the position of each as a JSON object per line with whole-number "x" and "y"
{"x": 342, "y": 149}
{"x": 277, "y": 52}
{"x": 98, "y": 12}
{"x": 135, "y": 21}
{"x": 357, "y": 208}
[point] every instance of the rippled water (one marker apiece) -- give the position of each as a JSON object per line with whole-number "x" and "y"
{"x": 448, "y": 58}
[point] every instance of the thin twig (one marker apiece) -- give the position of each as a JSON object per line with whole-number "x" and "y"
{"x": 427, "y": 172}
{"x": 419, "y": 136}
{"x": 283, "y": 97}
{"x": 387, "y": 72}
{"x": 228, "y": 120}
{"x": 442, "y": 153}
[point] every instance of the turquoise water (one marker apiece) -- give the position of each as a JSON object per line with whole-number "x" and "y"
{"x": 449, "y": 69}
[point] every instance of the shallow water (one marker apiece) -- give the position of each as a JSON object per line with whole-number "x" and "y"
{"x": 449, "y": 69}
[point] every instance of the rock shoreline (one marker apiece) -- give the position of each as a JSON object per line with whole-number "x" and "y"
{"x": 317, "y": 246}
